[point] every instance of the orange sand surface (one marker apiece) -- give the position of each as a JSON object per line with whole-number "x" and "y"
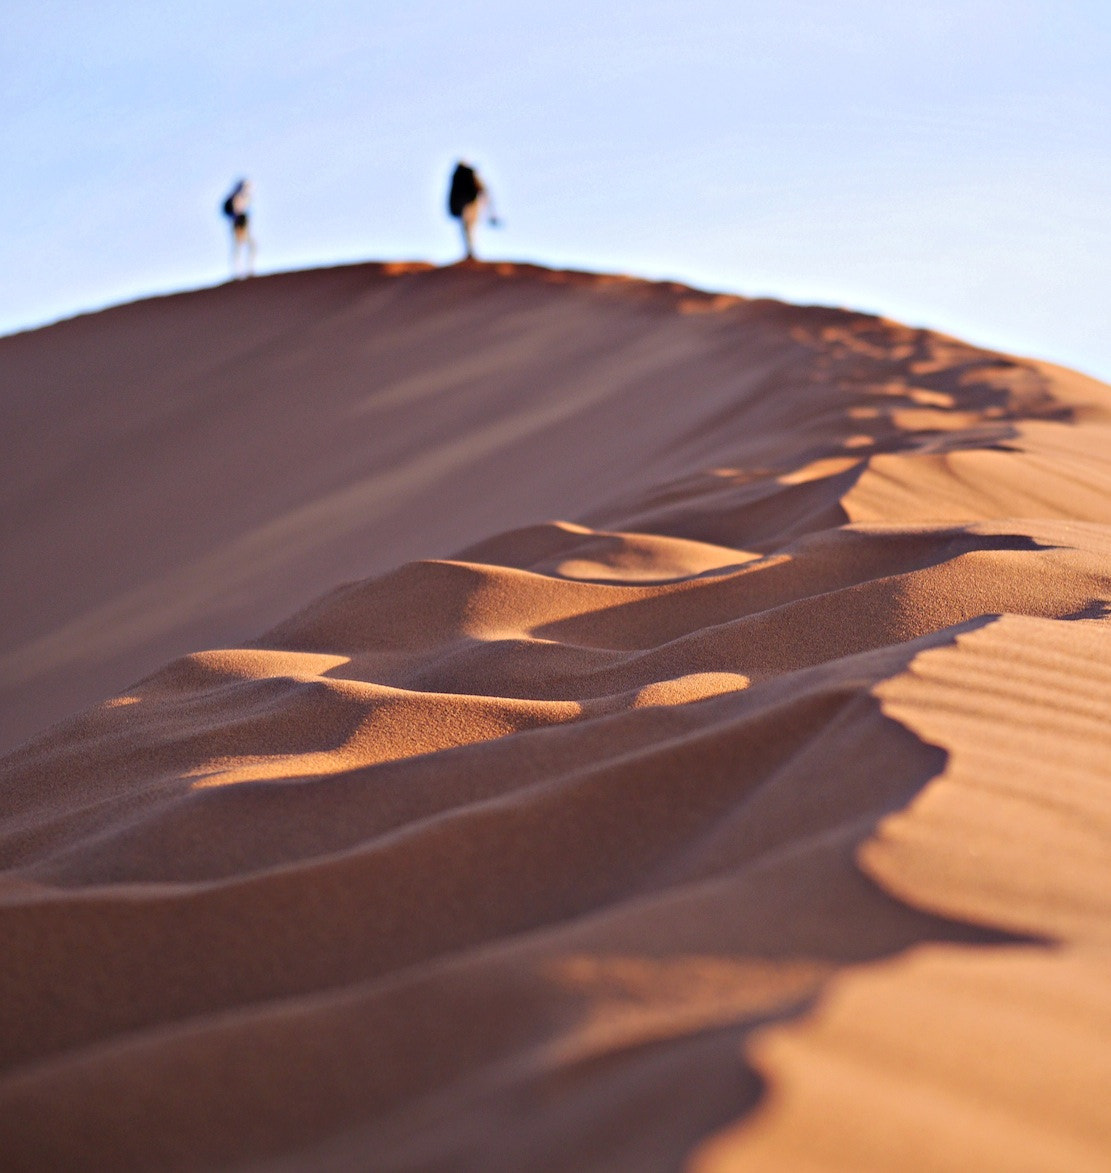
{"x": 703, "y": 763}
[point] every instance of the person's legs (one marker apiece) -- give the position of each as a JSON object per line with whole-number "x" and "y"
{"x": 468, "y": 220}
{"x": 243, "y": 244}
{"x": 249, "y": 244}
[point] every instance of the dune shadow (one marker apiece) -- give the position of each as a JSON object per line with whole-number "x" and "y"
{"x": 723, "y": 831}
{"x": 1096, "y": 609}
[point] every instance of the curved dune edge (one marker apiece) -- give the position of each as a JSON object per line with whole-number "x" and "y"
{"x": 755, "y": 819}
{"x": 969, "y": 1058}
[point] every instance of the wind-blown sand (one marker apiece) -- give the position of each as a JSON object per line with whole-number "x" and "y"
{"x": 728, "y": 786}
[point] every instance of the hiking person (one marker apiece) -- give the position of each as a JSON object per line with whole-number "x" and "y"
{"x": 237, "y": 209}
{"x": 467, "y": 200}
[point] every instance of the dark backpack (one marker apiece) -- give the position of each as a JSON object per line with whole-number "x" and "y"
{"x": 229, "y": 206}
{"x": 465, "y": 189}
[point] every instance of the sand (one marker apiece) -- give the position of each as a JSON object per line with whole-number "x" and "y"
{"x": 499, "y": 719}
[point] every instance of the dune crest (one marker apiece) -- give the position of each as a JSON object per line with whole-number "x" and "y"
{"x": 701, "y": 764}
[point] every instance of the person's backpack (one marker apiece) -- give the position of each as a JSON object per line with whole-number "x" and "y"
{"x": 464, "y": 189}
{"x": 229, "y": 207}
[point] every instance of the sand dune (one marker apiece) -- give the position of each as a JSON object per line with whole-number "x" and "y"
{"x": 704, "y": 761}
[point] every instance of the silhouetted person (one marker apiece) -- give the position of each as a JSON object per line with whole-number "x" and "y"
{"x": 466, "y": 201}
{"x": 237, "y": 208}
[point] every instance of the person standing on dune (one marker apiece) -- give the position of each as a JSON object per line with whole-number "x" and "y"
{"x": 467, "y": 200}
{"x": 237, "y": 208}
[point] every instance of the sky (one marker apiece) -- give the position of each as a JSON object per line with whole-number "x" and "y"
{"x": 943, "y": 162}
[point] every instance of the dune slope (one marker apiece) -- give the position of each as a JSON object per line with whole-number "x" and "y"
{"x": 702, "y": 764}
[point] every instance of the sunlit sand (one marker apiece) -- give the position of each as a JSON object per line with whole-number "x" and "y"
{"x": 499, "y": 719}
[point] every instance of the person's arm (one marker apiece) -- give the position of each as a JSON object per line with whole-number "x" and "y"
{"x": 488, "y": 209}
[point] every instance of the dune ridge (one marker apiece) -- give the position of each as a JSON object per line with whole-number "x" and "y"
{"x": 753, "y": 813}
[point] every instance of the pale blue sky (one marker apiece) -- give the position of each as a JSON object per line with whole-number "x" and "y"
{"x": 945, "y": 162}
